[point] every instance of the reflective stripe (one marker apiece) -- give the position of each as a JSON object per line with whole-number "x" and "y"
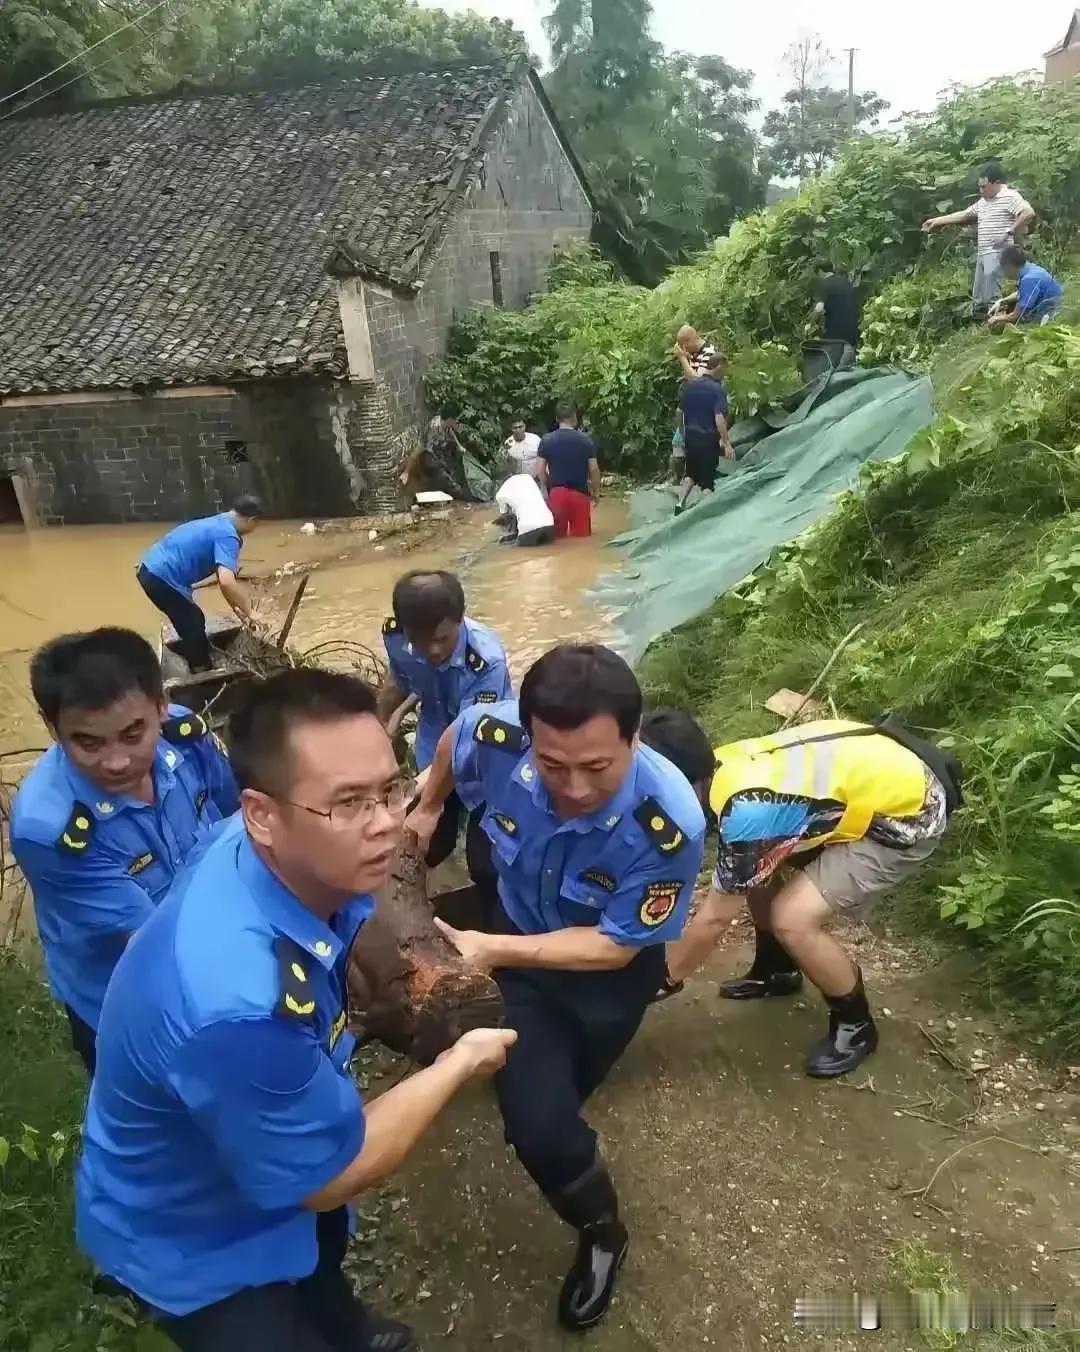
{"x": 824, "y": 761}
{"x": 793, "y": 779}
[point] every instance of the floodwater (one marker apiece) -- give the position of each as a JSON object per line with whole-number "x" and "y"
{"x": 68, "y": 578}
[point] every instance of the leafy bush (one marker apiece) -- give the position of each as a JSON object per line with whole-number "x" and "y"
{"x": 906, "y": 323}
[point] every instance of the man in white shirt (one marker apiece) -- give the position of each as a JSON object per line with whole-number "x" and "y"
{"x": 521, "y": 448}
{"x": 522, "y": 504}
{"x": 1003, "y": 216}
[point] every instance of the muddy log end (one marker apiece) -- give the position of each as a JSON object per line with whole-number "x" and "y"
{"x": 408, "y": 987}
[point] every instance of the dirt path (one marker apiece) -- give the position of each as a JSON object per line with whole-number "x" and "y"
{"x": 746, "y": 1185}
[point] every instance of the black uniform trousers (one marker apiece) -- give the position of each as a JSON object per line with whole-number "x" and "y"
{"x": 318, "y": 1314}
{"x": 572, "y": 1027}
{"x": 83, "y": 1039}
{"x": 186, "y": 617}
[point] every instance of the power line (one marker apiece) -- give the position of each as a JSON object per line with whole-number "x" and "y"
{"x": 134, "y": 23}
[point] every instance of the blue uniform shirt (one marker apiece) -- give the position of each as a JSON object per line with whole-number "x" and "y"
{"x": 629, "y": 868}
{"x": 222, "y": 1097}
{"x": 701, "y": 400}
{"x": 476, "y": 673}
{"x": 194, "y": 551}
{"x": 1038, "y": 293}
{"x": 98, "y": 864}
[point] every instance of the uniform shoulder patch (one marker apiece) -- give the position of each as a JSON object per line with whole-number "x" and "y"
{"x": 487, "y": 697}
{"x": 390, "y": 626}
{"x": 494, "y": 732}
{"x": 296, "y": 999}
{"x": 75, "y": 836}
{"x": 140, "y": 862}
{"x": 185, "y": 728}
{"x": 600, "y": 878}
{"x": 474, "y": 661}
{"x": 657, "y": 902}
{"x": 665, "y": 834}
{"x": 506, "y": 823}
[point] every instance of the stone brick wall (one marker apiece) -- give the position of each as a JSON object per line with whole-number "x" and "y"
{"x": 163, "y": 459}
{"x": 528, "y": 200}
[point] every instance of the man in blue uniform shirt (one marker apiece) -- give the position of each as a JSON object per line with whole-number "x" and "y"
{"x": 208, "y": 547}
{"x": 1038, "y": 296}
{"x": 106, "y": 818}
{"x": 224, "y": 1135}
{"x": 597, "y": 842}
{"x": 445, "y": 662}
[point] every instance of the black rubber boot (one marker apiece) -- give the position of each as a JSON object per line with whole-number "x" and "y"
{"x": 852, "y": 1036}
{"x": 773, "y": 972}
{"x": 591, "y": 1206}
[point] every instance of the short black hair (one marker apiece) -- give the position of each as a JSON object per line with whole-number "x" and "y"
{"x": 992, "y": 171}
{"x": 519, "y": 418}
{"x": 1014, "y": 256}
{"x": 248, "y": 505}
{"x": 424, "y": 598}
{"x": 448, "y": 411}
{"x": 677, "y": 736}
{"x": 565, "y": 409}
{"x": 93, "y": 670}
{"x": 578, "y": 681}
{"x": 260, "y": 726}
{"x": 717, "y": 360}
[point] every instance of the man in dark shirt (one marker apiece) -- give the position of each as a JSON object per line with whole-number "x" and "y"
{"x": 568, "y": 467}
{"x": 838, "y": 307}
{"x": 703, "y": 408}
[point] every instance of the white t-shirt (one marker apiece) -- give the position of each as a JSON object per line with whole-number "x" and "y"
{"x": 524, "y": 451}
{"x": 521, "y": 495}
{"x": 996, "y": 217}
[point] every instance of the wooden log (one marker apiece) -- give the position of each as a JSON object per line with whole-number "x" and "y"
{"x": 408, "y": 987}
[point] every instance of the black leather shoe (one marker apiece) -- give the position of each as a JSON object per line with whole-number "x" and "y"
{"x": 842, "y": 1049}
{"x": 590, "y": 1283}
{"x": 759, "y": 988}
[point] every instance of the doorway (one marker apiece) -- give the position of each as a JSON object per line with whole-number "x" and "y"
{"x": 10, "y": 507}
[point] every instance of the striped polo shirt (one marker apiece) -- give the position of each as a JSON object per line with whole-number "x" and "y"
{"x": 997, "y": 217}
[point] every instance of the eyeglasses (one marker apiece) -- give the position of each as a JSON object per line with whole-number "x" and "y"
{"x": 360, "y": 811}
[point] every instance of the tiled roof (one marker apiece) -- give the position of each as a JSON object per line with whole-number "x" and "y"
{"x": 185, "y": 239}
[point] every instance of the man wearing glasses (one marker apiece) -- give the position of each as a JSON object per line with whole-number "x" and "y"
{"x": 224, "y": 1136}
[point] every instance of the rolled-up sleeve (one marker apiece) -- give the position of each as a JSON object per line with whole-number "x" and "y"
{"x": 283, "y": 1121}
{"x": 227, "y": 552}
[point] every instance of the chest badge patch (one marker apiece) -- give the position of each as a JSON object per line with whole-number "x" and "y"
{"x": 487, "y": 697}
{"x": 600, "y": 878}
{"x": 494, "y": 732}
{"x": 658, "y": 902}
{"x": 296, "y": 1000}
{"x": 200, "y": 800}
{"x": 76, "y": 834}
{"x": 507, "y": 823}
{"x": 142, "y": 862}
{"x": 474, "y": 661}
{"x": 658, "y": 826}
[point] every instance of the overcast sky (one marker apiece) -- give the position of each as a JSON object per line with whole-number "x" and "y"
{"x": 908, "y": 53}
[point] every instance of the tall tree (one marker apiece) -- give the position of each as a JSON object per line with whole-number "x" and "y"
{"x": 664, "y": 137}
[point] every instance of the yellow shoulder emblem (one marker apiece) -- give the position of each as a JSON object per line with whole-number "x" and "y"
{"x": 658, "y": 826}
{"x": 186, "y": 728}
{"x": 75, "y": 836}
{"x": 297, "y": 997}
{"x": 391, "y": 626}
{"x": 494, "y": 732}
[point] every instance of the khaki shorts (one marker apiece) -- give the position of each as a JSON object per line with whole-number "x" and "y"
{"x": 850, "y": 876}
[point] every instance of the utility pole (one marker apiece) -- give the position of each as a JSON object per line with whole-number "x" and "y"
{"x": 851, "y": 89}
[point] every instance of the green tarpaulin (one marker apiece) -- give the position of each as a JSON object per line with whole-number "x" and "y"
{"x": 793, "y": 461}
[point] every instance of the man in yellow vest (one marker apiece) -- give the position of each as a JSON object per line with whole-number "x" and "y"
{"x": 856, "y": 809}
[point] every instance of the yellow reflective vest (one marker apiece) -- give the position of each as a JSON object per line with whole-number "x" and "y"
{"x": 872, "y": 775}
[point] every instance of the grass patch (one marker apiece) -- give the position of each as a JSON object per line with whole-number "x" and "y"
{"x": 932, "y": 1279}
{"x": 46, "y": 1303}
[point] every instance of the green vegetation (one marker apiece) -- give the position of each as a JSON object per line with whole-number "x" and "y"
{"x": 932, "y": 1278}
{"x": 961, "y": 565}
{"x": 45, "y": 1298}
{"x": 608, "y": 343}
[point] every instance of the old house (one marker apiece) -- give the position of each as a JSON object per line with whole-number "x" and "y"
{"x": 208, "y": 292}
{"x": 1063, "y": 61}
